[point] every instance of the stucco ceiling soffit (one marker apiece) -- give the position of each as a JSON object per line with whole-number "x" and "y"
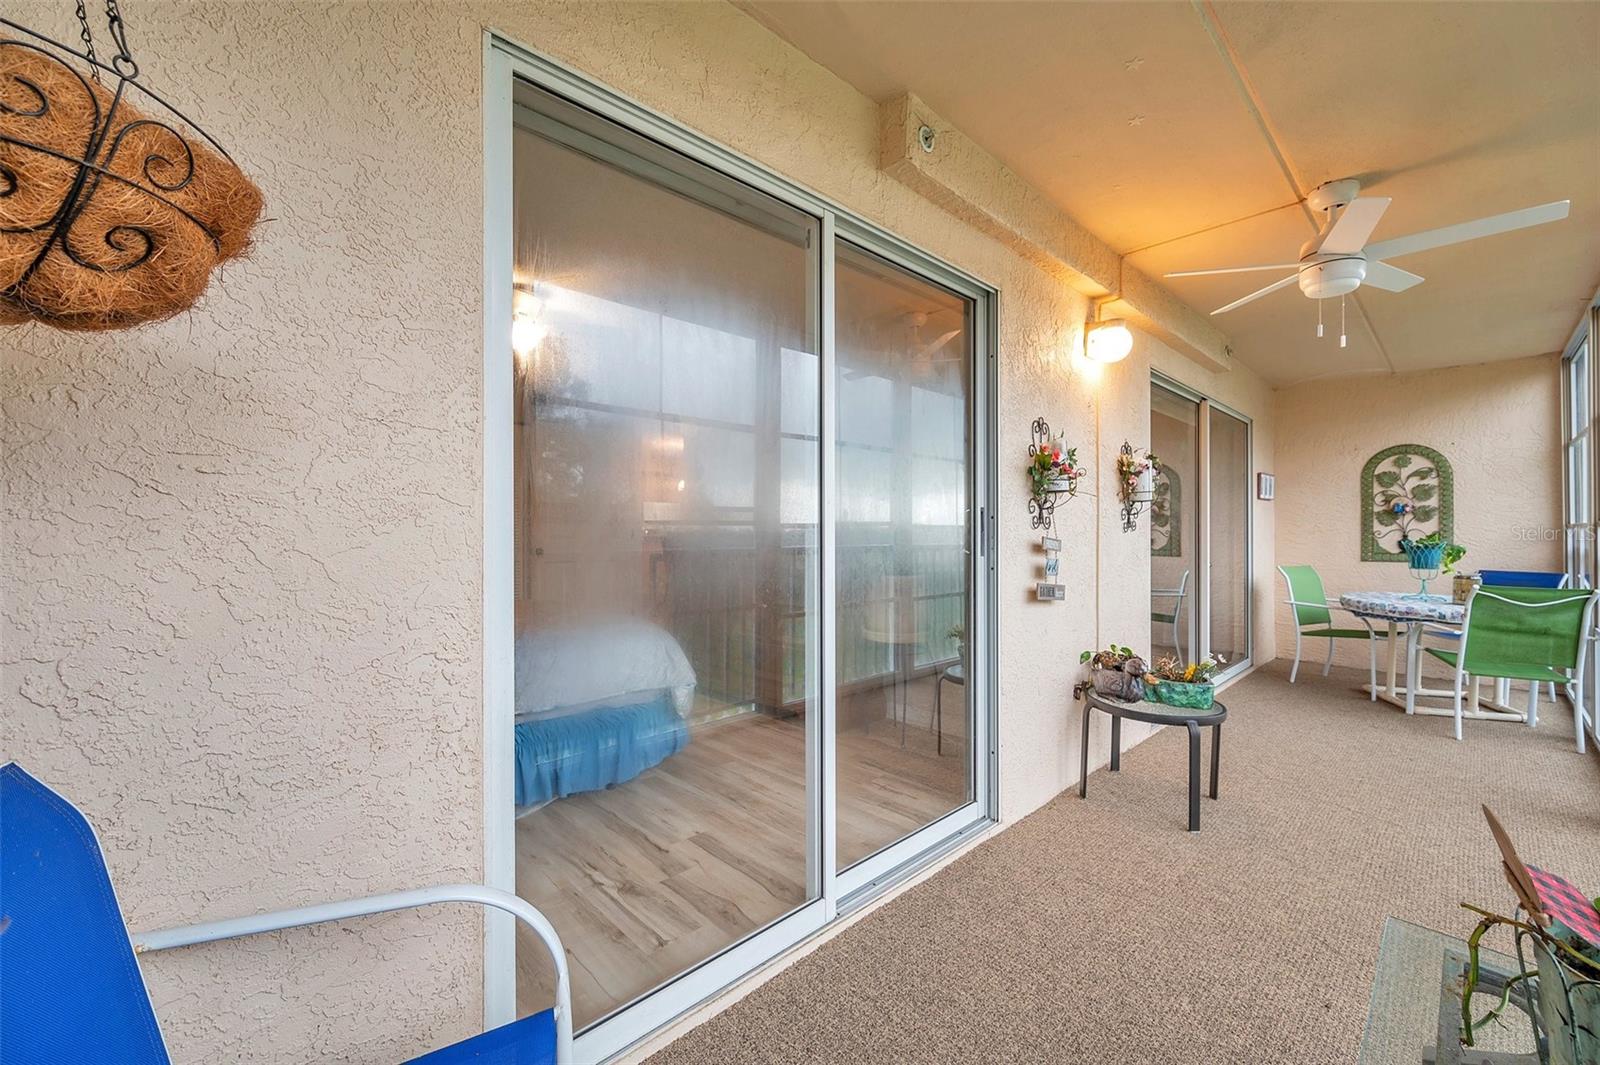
{"x": 952, "y": 171}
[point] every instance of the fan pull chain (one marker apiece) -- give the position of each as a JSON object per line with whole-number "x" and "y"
{"x": 1341, "y": 322}
{"x": 1319, "y": 319}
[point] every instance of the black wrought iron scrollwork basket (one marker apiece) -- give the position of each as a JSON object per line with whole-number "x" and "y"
{"x": 114, "y": 206}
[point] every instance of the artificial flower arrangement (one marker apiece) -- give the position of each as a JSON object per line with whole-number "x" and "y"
{"x": 1176, "y": 684}
{"x": 1136, "y": 475}
{"x": 1431, "y": 551}
{"x": 1054, "y": 468}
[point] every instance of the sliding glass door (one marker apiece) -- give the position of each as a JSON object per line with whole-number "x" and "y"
{"x": 1175, "y": 525}
{"x": 1199, "y": 529}
{"x": 903, "y": 564}
{"x": 665, "y": 326}
{"x": 736, "y": 484}
{"x": 1228, "y": 525}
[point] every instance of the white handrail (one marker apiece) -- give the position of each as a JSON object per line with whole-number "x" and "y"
{"x": 254, "y": 924}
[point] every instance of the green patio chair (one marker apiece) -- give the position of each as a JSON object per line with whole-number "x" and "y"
{"x": 1534, "y": 634}
{"x": 1313, "y": 617}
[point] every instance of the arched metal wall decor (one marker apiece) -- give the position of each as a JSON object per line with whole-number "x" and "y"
{"x": 1407, "y": 491}
{"x": 1166, "y": 515}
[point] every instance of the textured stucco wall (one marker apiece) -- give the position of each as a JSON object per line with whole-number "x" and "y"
{"x": 242, "y": 549}
{"x": 1498, "y": 424}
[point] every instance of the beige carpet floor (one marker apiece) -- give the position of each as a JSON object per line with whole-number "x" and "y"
{"x": 1099, "y": 930}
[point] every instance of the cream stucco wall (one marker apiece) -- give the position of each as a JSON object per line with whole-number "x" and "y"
{"x": 242, "y": 620}
{"x": 1498, "y": 424}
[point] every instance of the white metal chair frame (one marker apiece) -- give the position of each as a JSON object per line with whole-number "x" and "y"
{"x": 1177, "y": 595}
{"x": 1574, "y": 689}
{"x": 1332, "y": 604}
{"x": 477, "y": 894}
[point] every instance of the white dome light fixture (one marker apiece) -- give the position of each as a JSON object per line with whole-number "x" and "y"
{"x": 1108, "y": 341}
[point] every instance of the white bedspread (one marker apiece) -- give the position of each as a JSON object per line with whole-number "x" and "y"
{"x": 596, "y": 664}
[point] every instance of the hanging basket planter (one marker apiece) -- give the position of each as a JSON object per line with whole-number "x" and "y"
{"x": 114, "y": 207}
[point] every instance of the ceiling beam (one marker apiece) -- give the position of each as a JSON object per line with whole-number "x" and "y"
{"x": 964, "y": 179}
{"x": 1258, "y": 113}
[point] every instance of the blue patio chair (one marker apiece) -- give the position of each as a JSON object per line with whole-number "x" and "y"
{"x": 70, "y": 986}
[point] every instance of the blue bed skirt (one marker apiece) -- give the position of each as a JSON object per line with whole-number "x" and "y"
{"x": 594, "y": 749}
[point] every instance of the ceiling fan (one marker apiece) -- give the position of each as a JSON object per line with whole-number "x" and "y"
{"x": 1338, "y": 260}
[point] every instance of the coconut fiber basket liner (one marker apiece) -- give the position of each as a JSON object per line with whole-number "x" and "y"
{"x": 114, "y": 208}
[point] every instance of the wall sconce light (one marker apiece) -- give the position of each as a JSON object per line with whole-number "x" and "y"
{"x": 527, "y": 328}
{"x": 1136, "y": 483}
{"x": 1108, "y": 341}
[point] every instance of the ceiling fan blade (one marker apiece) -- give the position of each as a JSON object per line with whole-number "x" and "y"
{"x": 1357, "y": 219}
{"x": 1390, "y": 278}
{"x": 1233, "y": 270}
{"x": 1257, "y": 294}
{"x": 1482, "y": 227}
{"x": 939, "y": 342}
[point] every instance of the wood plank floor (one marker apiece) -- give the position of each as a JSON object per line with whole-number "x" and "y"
{"x": 649, "y": 878}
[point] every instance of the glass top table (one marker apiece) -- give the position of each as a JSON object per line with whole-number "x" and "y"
{"x": 1414, "y": 1014}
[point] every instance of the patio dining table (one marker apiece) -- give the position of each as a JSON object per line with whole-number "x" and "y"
{"x": 1414, "y": 612}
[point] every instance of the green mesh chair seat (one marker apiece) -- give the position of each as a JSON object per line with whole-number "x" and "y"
{"x": 1521, "y": 633}
{"x": 1509, "y": 670}
{"x": 1338, "y": 634}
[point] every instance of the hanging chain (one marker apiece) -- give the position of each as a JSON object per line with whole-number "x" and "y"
{"x": 88, "y": 41}
{"x": 123, "y": 60}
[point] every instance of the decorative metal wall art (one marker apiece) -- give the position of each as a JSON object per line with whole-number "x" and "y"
{"x": 1136, "y": 483}
{"x": 1053, "y": 474}
{"x": 1407, "y": 492}
{"x": 111, "y": 213}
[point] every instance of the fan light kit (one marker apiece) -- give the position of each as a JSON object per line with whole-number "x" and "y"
{"x": 1108, "y": 341}
{"x": 1338, "y": 260}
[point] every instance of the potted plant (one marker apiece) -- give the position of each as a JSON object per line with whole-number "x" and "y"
{"x": 1189, "y": 686}
{"x": 1557, "y": 929}
{"x": 1428, "y": 556}
{"x": 1116, "y": 671}
{"x": 958, "y": 633}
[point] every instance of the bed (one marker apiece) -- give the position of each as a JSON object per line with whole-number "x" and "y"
{"x": 596, "y": 705}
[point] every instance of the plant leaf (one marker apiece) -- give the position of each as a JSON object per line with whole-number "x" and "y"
{"x": 1386, "y": 518}
{"x": 1402, "y": 461}
{"x": 1386, "y": 478}
{"x": 1423, "y": 492}
{"x": 1426, "y": 513}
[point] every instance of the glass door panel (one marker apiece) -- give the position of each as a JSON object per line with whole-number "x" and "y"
{"x": 1174, "y": 525}
{"x": 667, "y": 456}
{"x": 904, "y": 570}
{"x": 1229, "y": 521}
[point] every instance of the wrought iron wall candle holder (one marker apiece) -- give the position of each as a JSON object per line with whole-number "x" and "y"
{"x": 1054, "y": 472}
{"x": 111, "y": 213}
{"x": 1136, "y": 484}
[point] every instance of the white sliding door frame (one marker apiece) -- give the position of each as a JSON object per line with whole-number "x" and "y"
{"x": 505, "y": 62}
{"x": 1203, "y": 510}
